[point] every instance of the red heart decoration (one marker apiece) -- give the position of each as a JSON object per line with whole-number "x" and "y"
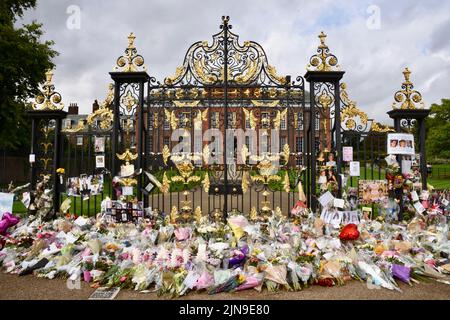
{"x": 349, "y": 232}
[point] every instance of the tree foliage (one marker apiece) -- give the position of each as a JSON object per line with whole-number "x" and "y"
{"x": 24, "y": 59}
{"x": 438, "y": 131}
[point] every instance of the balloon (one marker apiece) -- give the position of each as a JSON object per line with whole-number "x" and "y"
{"x": 8, "y": 220}
{"x": 349, "y": 232}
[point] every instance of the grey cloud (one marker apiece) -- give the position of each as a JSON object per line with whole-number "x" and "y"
{"x": 412, "y": 34}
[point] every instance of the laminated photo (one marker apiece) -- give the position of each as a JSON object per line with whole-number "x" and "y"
{"x": 85, "y": 189}
{"x": 99, "y": 144}
{"x": 99, "y": 161}
{"x": 354, "y": 168}
{"x": 73, "y": 186}
{"x": 96, "y": 184}
{"x": 347, "y": 154}
{"x": 126, "y": 170}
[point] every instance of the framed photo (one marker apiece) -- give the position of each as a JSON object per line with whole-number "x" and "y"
{"x": 99, "y": 144}
{"x": 79, "y": 140}
{"x": 372, "y": 190}
{"x": 400, "y": 143}
{"x": 100, "y": 161}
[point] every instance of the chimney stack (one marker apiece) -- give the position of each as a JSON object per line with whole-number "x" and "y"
{"x": 73, "y": 108}
{"x": 95, "y": 106}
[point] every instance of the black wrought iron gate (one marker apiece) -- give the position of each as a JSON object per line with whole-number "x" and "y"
{"x": 224, "y": 134}
{"x": 226, "y": 89}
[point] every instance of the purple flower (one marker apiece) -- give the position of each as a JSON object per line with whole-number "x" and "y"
{"x": 401, "y": 272}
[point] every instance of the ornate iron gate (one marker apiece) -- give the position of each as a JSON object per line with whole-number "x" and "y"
{"x": 225, "y": 134}
{"x": 220, "y": 86}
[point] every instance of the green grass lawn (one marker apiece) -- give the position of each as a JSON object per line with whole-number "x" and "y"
{"x": 441, "y": 184}
{"x": 88, "y": 207}
{"x": 440, "y": 176}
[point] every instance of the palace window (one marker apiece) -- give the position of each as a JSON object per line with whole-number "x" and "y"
{"x": 300, "y": 120}
{"x": 166, "y": 141}
{"x": 150, "y": 143}
{"x": 247, "y": 123}
{"x": 166, "y": 125}
{"x": 67, "y": 124}
{"x": 184, "y": 119}
{"x": 151, "y": 119}
{"x": 283, "y": 141}
{"x": 283, "y": 123}
{"x": 265, "y": 120}
{"x": 215, "y": 120}
{"x": 317, "y": 145}
{"x": 231, "y": 120}
{"x": 247, "y": 142}
{"x": 299, "y": 144}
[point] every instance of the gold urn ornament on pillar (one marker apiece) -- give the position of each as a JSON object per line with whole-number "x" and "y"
{"x": 48, "y": 98}
{"x": 323, "y": 60}
{"x": 407, "y": 97}
{"x": 131, "y": 61}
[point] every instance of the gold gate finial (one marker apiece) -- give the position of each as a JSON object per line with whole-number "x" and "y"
{"x": 131, "y": 61}
{"x": 407, "y": 96}
{"x": 48, "y": 98}
{"x": 323, "y": 60}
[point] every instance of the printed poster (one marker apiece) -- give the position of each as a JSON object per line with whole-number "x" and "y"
{"x": 400, "y": 143}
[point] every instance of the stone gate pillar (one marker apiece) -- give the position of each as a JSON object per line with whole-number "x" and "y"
{"x": 409, "y": 115}
{"x": 129, "y": 133}
{"x": 406, "y": 115}
{"x": 46, "y": 118}
{"x": 324, "y": 78}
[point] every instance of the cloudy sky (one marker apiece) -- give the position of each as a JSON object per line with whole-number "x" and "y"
{"x": 373, "y": 40}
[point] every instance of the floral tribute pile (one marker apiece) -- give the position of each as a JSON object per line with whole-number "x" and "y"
{"x": 277, "y": 253}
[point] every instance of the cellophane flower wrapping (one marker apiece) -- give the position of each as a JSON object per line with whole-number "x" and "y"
{"x": 240, "y": 254}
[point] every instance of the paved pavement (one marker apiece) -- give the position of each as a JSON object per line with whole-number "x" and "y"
{"x": 30, "y": 287}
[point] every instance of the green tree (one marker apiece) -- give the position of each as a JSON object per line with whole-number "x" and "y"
{"x": 24, "y": 58}
{"x": 438, "y": 131}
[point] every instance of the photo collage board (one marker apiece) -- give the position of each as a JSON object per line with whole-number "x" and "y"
{"x": 122, "y": 211}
